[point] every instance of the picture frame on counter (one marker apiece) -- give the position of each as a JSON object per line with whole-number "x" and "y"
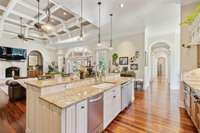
{"x": 123, "y": 60}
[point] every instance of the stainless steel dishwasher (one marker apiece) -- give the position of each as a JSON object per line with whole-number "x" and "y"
{"x": 95, "y": 114}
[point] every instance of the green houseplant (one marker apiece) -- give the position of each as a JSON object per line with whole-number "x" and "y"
{"x": 191, "y": 18}
{"x": 114, "y": 58}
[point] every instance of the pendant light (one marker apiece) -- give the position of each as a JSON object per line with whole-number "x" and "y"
{"x": 48, "y": 27}
{"x": 81, "y": 20}
{"x": 99, "y": 34}
{"x": 38, "y": 25}
{"x": 111, "y": 28}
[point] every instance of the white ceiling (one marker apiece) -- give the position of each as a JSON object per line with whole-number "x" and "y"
{"x": 131, "y": 19}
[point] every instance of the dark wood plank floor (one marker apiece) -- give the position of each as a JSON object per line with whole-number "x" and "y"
{"x": 154, "y": 111}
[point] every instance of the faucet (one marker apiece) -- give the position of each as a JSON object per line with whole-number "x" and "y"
{"x": 98, "y": 75}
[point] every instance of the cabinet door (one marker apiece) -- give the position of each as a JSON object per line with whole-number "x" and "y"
{"x": 124, "y": 91}
{"x": 198, "y": 115}
{"x": 116, "y": 102}
{"x": 81, "y": 117}
{"x": 130, "y": 93}
{"x": 69, "y": 120}
{"x": 108, "y": 107}
{"x": 133, "y": 90}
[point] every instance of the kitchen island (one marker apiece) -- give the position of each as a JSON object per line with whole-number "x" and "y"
{"x": 192, "y": 96}
{"x": 80, "y": 106}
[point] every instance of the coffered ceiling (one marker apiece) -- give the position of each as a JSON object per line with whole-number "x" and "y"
{"x": 132, "y": 18}
{"x": 64, "y": 21}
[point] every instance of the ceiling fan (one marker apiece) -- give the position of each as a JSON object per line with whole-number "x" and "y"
{"x": 21, "y": 34}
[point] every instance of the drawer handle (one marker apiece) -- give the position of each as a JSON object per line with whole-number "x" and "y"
{"x": 82, "y": 107}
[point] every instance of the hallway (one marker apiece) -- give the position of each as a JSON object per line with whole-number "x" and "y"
{"x": 154, "y": 111}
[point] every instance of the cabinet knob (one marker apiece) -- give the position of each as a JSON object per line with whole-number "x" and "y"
{"x": 114, "y": 96}
{"x": 82, "y": 107}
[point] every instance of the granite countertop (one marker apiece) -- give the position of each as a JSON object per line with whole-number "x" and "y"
{"x": 57, "y": 81}
{"x": 72, "y": 96}
{"x": 192, "y": 79}
{"x": 51, "y": 82}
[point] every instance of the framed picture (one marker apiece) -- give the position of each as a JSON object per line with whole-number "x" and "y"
{"x": 123, "y": 60}
{"x": 134, "y": 66}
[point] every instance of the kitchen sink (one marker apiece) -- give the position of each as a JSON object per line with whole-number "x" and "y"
{"x": 104, "y": 85}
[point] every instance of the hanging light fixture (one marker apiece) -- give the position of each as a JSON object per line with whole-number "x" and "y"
{"x": 38, "y": 25}
{"x": 81, "y": 20}
{"x": 111, "y": 28}
{"x": 48, "y": 27}
{"x": 99, "y": 34}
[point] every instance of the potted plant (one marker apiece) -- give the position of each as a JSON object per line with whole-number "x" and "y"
{"x": 114, "y": 58}
{"x": 191, "y": 18}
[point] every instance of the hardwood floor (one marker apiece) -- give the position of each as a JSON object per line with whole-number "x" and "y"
{"x": 12, "y": 115}
{"x": 154, "y": 111}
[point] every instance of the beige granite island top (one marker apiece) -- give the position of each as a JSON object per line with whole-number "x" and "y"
{"x": 72, "y": 96}
{"x": 57, "y": 81}
{"x": 51, "y": 82}
{"x": 192, "y": 79}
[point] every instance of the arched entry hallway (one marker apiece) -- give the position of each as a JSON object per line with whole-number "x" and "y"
{"x": 160, "y": 63}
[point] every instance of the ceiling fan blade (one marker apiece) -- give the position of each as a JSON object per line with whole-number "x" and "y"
{"x": 27, "y": 38}
{"x": 15, "y": 37}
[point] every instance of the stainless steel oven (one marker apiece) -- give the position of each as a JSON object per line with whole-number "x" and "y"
{"x": 187, "y": 93}
{"x": 95, "y": 114}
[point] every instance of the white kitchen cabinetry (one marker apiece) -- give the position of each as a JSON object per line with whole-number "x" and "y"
{"x": 130, "y": 92}
{"x": 112, "y": 105}
{"x": 81, "y": 117}
{"x": 133, "y": 90}
{"x": 69, "y": 120}
{"x": 127, "y": 94}
{"x": 72, "y": 119}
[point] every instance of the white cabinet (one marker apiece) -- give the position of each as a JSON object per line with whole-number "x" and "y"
{"x": 130, "y": 92}
{"x": 81, "y": 117}
{"x": 112, "y": 105}
{"x": 69, "y": 120}
{"x": 127, "y": 94}
{"x": 133, "y": 90}
{"x": 116, "y": 100}
{"x": 107, "y": 108}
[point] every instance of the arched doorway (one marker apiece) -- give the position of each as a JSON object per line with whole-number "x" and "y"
{"x": 153, "y": 52}
{"x": 78, "y": 56}
{"x": 161, "y": 67}
{"x": 34, "y": 64}
{"x": 160, "y": 62}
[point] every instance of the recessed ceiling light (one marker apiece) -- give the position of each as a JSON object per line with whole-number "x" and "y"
{"x": 65, "y": 13}
{"x": 121, "y": 5}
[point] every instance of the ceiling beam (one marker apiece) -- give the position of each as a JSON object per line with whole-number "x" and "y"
{"x": 36, "y": 9}
{"x": 2, "y": 8}
{"x": 23, "y": 3}
{"x": 8, "y": 10}
{"x": 17, "y": 22}
{"x": 25, "y": 16}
